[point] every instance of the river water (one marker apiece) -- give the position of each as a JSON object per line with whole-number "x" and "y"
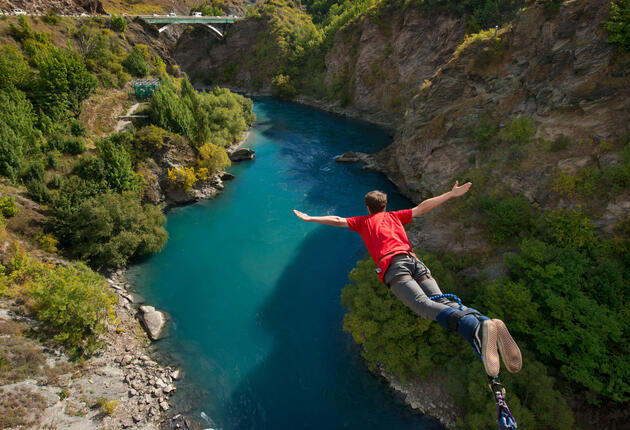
{"x": 254, "y": 293}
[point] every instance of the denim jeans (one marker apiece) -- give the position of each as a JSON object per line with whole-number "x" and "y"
{"x": 414, "y": 292}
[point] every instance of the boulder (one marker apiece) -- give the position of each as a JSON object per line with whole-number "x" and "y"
{"x": 242, "y": 154}
{"x": 154, "y": 321}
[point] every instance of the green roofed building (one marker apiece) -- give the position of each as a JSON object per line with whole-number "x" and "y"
{"x": 144, "y": 88}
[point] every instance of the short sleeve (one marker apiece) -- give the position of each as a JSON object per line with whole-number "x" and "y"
{"x": 404, "y": 216}
{"x": 355, "y": 223}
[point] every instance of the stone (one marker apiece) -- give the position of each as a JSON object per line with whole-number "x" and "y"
{"x": 132, "y": 392}
{"x": 176, "y": 374}
{"x": 227, "y": 176}
{"x": 164, "y": 406}
{"x": 154, "y": 322}
{"x": 169, "y": 388}
{"x": 64, "y": 380}
{"x": 242, "y": 154}
{"x": 126, "y": 359}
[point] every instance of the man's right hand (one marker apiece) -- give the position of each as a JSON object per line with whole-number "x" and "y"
{"x": 302, "y": 215}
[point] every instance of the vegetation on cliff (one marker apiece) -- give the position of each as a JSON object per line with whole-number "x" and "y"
{"x": 88, "y": 188}
{"x": 564, "y": 298}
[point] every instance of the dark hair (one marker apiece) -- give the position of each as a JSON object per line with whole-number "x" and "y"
{"x": 376, "y": 201}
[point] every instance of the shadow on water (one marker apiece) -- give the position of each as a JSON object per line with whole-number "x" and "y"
{"x": 314, "y": 373}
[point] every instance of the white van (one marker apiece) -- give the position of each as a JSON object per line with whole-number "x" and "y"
{"x": 197, "y": 14}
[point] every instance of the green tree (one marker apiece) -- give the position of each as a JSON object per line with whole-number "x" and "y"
{"x": 618, "y": 25}
{"x": 136, "y": 64}
{"x": 109, "y": 229}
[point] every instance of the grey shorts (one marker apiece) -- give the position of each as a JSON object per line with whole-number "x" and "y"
{"x": 405, "y": 264}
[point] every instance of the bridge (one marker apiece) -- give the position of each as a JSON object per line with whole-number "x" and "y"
{"x": 208, "y": 21}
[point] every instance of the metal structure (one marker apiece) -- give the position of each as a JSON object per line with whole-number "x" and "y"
{"x": 208, "y": 21}
{"x": 144, "y": 88}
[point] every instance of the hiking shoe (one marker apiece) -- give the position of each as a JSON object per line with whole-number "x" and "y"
{"x": 481, "y": 334}
{"x": 510, "y": 353}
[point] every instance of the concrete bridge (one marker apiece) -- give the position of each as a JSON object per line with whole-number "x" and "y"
{"x": 208, "y": 21}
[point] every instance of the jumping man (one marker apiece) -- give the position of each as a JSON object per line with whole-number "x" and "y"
{"x": 411, "y": 281}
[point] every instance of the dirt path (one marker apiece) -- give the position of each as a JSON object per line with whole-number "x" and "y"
{"x": 122, "y": 123}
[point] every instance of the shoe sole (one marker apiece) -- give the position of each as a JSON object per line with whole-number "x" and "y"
{"x": 510, "y": 353}
{"x": 489, "y": 353}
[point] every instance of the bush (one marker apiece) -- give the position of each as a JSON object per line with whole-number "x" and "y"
{"x": 72, "y": 302}
{"x": 507, "y": 218}
{"x": 110, "y": 229}
{"x": 282, "y": 87}
{"x": 107, "y": 407}
{"x": 77, "y": 128}
{"x": 74, "y": 146}
{"x": 618, "y": 26}
{"x": 38, "y": 191}
{"x": 8, "y": 208}
{"x": 119, "y": 23}
{"x": 48, "y": 242}
{"x": 51, "y": 17}
{"x": 135, "y": 63}
{"x": 213, "y": 158}
{"x": 559, "y": 143}
{"x": 518, "y": 131}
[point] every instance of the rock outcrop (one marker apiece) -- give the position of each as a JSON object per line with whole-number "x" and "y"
{"x": 241, "y": 154}
{"x": 154, "y": 321}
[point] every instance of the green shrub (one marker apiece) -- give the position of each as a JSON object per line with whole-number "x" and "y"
{"x": 560, "y": 143}
{"x": 484, "y": 133}
{"x": 507, "y": 218}
{"x": 38, "y": 191}
{"x": 72, "y": 302}
{"x": 518, "y": 131}
{"x": 282, "y": 87}
{"x": 77, "y": 128}
{"x": 135, "y": 63}
{"x": 213, "y": 158}
{"x": 52, "y": 160}
{"x": 51, "y": 17}
{"x": 109, "y": 229}
{"x": 570, "y": 228}
{"x": 618, "y": 26}
{"x": 74, "y": 145}
{"x": 106, "y": 407}
{"x": 119, "y": 23}
{"x": 55, "y": 182}
{"x": 8, "y": 207}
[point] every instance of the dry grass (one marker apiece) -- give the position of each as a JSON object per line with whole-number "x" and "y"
{"x": 20, "y": 408}
{"x": 141, "y": 7}
{"x": 100, "y": 112}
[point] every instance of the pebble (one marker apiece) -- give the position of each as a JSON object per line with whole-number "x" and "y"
{"x": 164, "y": 406}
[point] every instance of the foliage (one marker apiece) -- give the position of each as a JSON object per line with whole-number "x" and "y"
{"x": 116, "y": 163}
{"x": 107, "y": 407}
{"x": 565, "y": 300}
{"x": 282, "y": 87}
{"x": 560, "y": 143}
{"x": 119, "y": 23}
{"x": 109, "y": 229}
{"x": 48, "y": 242}
{"x": 219, "y": 117}
{"x": 38, "y": 191}
{"x": 18, "y": 134}
{"x": 51, "y": 17}
{"x": 14, "y": 69}
{"x": 136, "y": 64}
{"x": 72, "y": 302}
{"x": 8, "y": 208}
{"x": 77, "y": 128}
{"x": 518, "y": 131}
{"x": 210, "y": 8}
{"x": 506, "y": 218}
{"x": 185, "y": 177}
{"x": 212, "y": 158}
{"x": 618, "y": 26}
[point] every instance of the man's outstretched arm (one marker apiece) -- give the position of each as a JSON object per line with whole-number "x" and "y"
{"x": 436, "y": 201}
{"x": 335, "y": 221}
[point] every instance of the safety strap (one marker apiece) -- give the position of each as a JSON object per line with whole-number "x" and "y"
{"x": 505, "y": 419}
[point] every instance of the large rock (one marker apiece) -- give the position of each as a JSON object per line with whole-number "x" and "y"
{"x": 154, "y": 321}
{"x": 242, "y": 154}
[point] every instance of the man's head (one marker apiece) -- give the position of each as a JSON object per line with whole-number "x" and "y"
{"x": 376, "y": 201}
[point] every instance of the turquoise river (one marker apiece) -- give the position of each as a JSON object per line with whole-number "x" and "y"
{"x": 254, "y": 293}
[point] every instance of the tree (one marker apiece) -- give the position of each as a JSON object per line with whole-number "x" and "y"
{"x": 110, "y": 228}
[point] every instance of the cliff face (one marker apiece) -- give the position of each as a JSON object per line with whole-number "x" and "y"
{"x": 557, "y": 69}
{"x": 385, "y": 61}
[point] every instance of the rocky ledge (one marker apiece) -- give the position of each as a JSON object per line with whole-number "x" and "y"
{"x": 429, "y": 397}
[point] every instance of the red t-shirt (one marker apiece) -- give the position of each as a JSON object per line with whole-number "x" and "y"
{"x": 383, "y": 234}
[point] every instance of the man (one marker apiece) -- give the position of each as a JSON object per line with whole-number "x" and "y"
{"x": 411, "y": 281}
